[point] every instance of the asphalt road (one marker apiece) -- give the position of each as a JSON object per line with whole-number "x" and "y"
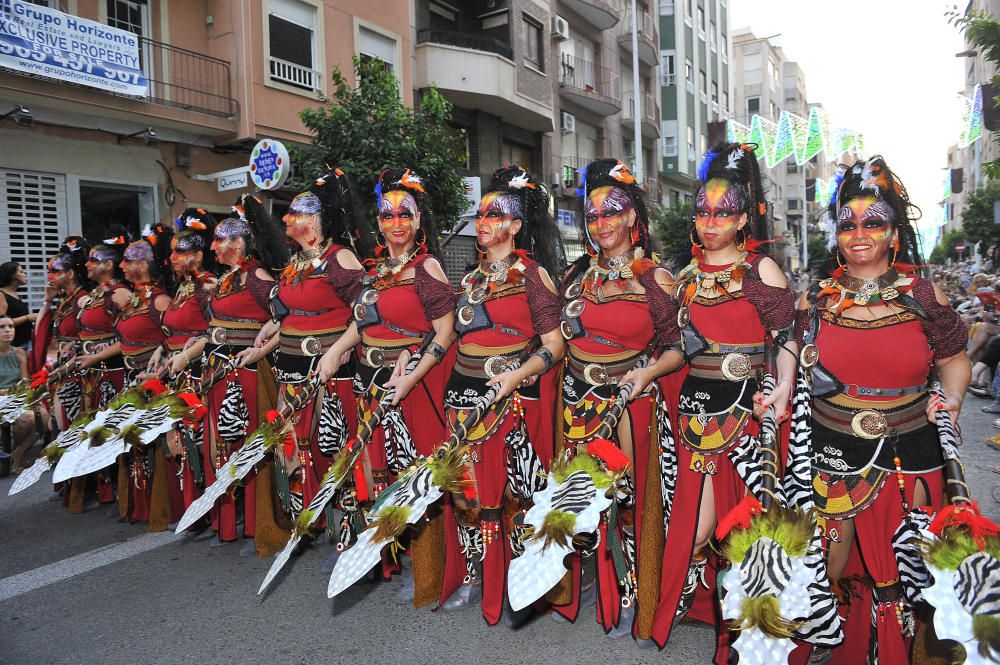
{"x": 86, "y": 589}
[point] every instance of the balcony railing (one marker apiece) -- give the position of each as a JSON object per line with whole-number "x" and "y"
{"x": 648, "y": 107}
{"x": 571, "y": 167}
{"x": 588, "y": 77}
{"x": 647, "y": 29}
{"x": 293, "y": 74}
{"x": 469, "y": 40}
{"x": 187, "y": 80}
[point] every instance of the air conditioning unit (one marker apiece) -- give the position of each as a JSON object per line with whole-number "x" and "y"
{"x": 560, "y": 28}
{"x": 567, "y": 122}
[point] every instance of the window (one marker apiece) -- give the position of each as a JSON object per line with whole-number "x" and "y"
{"x": 753, "y": 106}
{"x": 711, "y": 36}
{"x": 128, "y": 15}
{"x": 715, "y": 92}
{"x": 725, "y": 101}
{"x": 291, "y": 39}
{"x": 701, "y": 23}
{"x": 533, "y": 49}
{"x": 666, "y": 7}
{"x": 724, "y": 42}
{"x": 669, "y": 131}
{"x": 704, "y": 143}
{"x": 372, "y": 45}
{"x": 703, "y": 86}
{"x": 667, "y": 73}
{"x": 688, "y": 12}
{"x": 791, "y": 168}
{"x": 515, "y": 153}
{"x": 793, "y": 204}
{"x": 442, "y": 17}
{"x": 496, "y": 26}
{"x": 773, "y": 111}
{"x": 689, "y": 71}
{"x": 691, "y": 155}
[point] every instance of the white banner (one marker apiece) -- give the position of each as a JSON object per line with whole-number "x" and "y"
{"x": 45, "y": 42}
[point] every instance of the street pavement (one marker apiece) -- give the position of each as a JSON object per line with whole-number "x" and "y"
{"x": 87, "y": 589}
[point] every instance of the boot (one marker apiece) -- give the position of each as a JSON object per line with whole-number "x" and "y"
{"x": 624, "y": 626}
{"x": 467, "y": 594}
{"x": 695, "y": 577}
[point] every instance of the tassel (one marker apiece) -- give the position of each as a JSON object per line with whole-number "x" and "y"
{"x": 360, "y": 483}
{"x": 609, "y": 453}
{"x": 739, "y": 517}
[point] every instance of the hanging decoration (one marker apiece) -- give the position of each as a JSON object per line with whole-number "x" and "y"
{"x": 795, "y": 136}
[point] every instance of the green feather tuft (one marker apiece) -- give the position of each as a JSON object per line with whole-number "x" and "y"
{"x": 556, "y": 529}
{"x": 390, "y": 523}
{"x": 303, "y": 522}
{"x": 448, "y": 468}
{"x": 954, "y": 546}
{"x": 131, "y": 433}
{"x": 583, "y": 462}
{"x": 986, "y": 630}
{"x": 53, "y": 453}
{"x": 764, "y": 612}
{"x": 790, "y": 529}
{"x": 133, "y": 396}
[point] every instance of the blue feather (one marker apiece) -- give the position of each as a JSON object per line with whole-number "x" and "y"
{"x": 179, "y": 223}
{"x": 837, "y": 180}
{"x": 378, "y": 192}
{"x": 705, "y": 163}
{"x": 581, "y": 191}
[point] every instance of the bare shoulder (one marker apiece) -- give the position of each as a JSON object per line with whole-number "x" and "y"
{"x": 543, "y": 275}
{"x": 434, "y": 269}
{"x": 348, "y": 259}
{"x": 770, "y": 273}
{"x": 263, "y": 275}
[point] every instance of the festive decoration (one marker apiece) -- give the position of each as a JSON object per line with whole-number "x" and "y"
{"x": 795, "y": 136}
{"x": 972, "y": 117}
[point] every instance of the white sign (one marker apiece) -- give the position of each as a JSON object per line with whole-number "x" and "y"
{"x": 45, "y": 42}
{"x": 269, "y": 164}
{"x": 236, "y": 181}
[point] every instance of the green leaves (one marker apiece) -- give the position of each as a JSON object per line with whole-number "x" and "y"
{"x": 366, "y": 128}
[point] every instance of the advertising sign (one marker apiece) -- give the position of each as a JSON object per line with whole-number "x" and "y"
{"x": 269, "y": 164}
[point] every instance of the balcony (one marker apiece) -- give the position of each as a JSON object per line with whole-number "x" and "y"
{"x": 601, "y": 14}
{"x": 648, "y": 44}
{"x": 295, "y": 75}
{"x": 187, "y": 91}
{"x": 649, "y": 123}
{"x": 571, "y": 176}
{"x": 596, "y": 89}
{"x": 477, "y": 72}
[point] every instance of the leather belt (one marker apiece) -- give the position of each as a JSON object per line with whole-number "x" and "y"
{"x": 869, "y": 423}
{"x": 481, "y": 367}
{"x": 309, "y": 345}
{"x": 89, "y": 346}
{"x": 854, "y": 390}
{"x": 745, "y": 349}
{"x": 232, "y": 336}
{"x": 302, "y": 312}
{"x": 600, "y": 373}
{"x": 137, "y": 359}
{"x": 712, "y": 366}
{"x": 379, "y": 356}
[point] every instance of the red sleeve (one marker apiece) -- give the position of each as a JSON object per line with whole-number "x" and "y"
{"x": 545, "y": 305}
{"x": 775, "y": 305}
{"x": 40, "y": 343}
{"x": 260, "y": 289}
{"x": 663, "y": 309}
{"x": 345, "y": 281}
{"x": 945, "y": 330}
{"x": 436, "y": 297}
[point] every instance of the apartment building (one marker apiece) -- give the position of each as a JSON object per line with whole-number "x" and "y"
{"x": 695, "y": 89}
{"x": 221, "y": 76}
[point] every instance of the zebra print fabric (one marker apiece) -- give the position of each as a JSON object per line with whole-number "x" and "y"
{"x": 766, "y": 569}
{"x": 332, "y": 434}
{"x": 524, "y": 469}
{"x": 400, "y": 450}
{"x": 913, "y": 573}
{"x": 575, "y": 493}
{"x": 797, "y": 482}
{"x": 105, "y": 393}
{"x": 70, "y": 395}
{"x": 234, "y": 416}
{"x": 470, "y": 540}
{"x": 668, "y": 461}
{"x": 822, "y": 627}
{"x": 977, "y": 584}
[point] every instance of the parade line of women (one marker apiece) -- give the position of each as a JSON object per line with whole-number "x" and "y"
{"x": 320, "y": 314}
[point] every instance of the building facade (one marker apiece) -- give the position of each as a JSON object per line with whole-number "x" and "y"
{"x": 695, "y": 89}
{"x": 221, "y": 75}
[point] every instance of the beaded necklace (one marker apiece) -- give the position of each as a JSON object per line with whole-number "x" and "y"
{"x": 620, "y": 270}
{"x": 847, "y": 291}
{"x": 304, "y": 263}
{"x": 388, "y": 270}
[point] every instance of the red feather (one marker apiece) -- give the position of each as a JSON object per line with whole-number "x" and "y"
{"x": 967, "y": 517}
{"x": 739, "y": 517}
{"x": 609, "y": 453}
{"x": 360, "y": 483}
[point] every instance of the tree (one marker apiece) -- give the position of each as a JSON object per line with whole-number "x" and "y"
{"x": 977, "y": 215}
{"x": 368, "y": 128}
{"x": 983, "y": 32}
{"x": 946, "y": 248}
{"x": 672, "y": 228}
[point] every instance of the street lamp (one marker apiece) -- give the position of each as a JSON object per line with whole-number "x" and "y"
{"x": 147, "y": 136}
{"x": 20, "y": 115}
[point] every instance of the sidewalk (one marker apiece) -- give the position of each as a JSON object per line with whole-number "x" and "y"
{"x": 979, "y": 458}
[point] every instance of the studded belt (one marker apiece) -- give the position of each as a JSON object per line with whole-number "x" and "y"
{"x": 138, "y": 359}
{"x": 854, "y": 390}
{"x": 308, "y": 345}
{"x": 869, "y": 423}
{"x": 600, "y": 373}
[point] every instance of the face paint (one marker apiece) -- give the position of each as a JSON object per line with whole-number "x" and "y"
{"x": 138, "y": 251}
{"x": 303, "y": 216}
{"x": 232, "y": 227}
{"x": 608, "y": 212}
{"x": 864, "y": 230}
{"x": 229, "y": 242}
{"x": 183, "y": 261}
{"x": 398, "y": 216}
{"x": 495, "y": 218}
{"x": 718, "y": 213}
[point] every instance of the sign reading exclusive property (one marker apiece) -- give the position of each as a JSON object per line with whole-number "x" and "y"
{"x": 45, "y": 42}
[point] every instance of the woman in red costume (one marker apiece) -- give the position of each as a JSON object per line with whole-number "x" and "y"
{"x": 102, "y": 375}
{"x": 185, "y": 325}
{"x": 872, "y": 335}
{"x": 67, "y": 283}
{"x": 734, "y": 309}
{"x": 239, "y": 307}
{"x": 508, "y": 299}
{"x": 406, "y": 296}
{"x": 311, "y": 307}
{"x": 616, "y": 281}
{"x": 140, "y": 335}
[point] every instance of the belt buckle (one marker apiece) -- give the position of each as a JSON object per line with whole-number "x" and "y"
{"x": 369, "y": 297}
{"x": 495, "y": 365}
{"x": 809, "y": 356}
{"x": 218, "y": 335}
{"x": 465, "y": 315}
{"x": 566, "y": 329}
{"x": 127, "y": 361}
{"x": 375, "y": 356}
{"x": 736, "y": 366}
{"x": 595, "y": 374}
{"x": 575, "y": 308}
{"x": 311, "y": 346}
{"x": 869, "y": 424}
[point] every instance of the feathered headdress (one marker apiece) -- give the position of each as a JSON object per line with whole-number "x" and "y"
{"x": 538, "y": 235}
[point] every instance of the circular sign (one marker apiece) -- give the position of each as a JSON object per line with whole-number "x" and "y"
{"x": 269, "y": 164}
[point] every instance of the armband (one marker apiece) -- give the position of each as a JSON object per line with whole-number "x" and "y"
{"x": 546, "y": 357}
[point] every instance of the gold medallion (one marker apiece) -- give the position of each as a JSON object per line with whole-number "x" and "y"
{"x": 869, "y": 424}
{"x": 595, "y": 374}
{"x": 736, "y": 366}
{"x": 809, "y": 355}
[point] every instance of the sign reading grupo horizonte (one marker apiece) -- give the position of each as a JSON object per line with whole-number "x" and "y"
{"x": 45, "y": 42}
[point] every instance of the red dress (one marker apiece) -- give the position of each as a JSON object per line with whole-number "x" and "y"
{"x": 498, "y": 329}
{"x": 853, "y": 475}
{"x": 606, "y": 336}
{"x": 313, "y": 305}
{"x": 61, "y": 324}
{"x": 238, "y": 310}
{"x": 714, "y": 429}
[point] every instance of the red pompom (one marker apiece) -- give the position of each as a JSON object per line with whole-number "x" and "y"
{"x": 272, "y": 415}
{"x": 154, "y": 386}
{"x": 739, "y": 517}
{"x": 968, "y": 517}
{"x": 360, "y": 482}
{"x": 200, "y": 410}
{"x": 609, "y": 453}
